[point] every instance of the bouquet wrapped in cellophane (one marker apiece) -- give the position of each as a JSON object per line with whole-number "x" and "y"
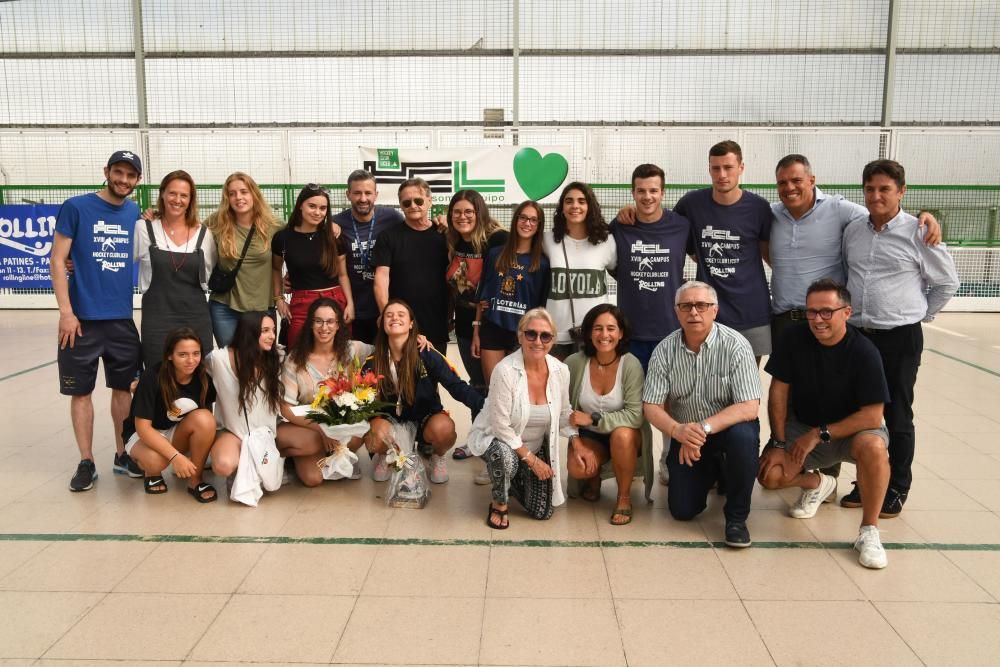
{"x": 342, "y": 406}
{"x": 408, "y": 486}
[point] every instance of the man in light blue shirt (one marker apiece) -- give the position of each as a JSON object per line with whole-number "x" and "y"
{"x": 896, "y": 282}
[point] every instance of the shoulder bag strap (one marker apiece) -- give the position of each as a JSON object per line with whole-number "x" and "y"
{"x": 569, "y": 283}
{"x": 246, "y": 247}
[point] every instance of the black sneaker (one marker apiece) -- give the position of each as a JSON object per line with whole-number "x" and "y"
{"x": 84, "y": 478}
{"x": 852, "y": 499}
{"x": 737, "y": 535}
{"x": 126, "y": 465}
{"x": 893, "y": 504}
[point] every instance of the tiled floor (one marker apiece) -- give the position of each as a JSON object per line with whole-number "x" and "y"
{"x": 332, "y": 575}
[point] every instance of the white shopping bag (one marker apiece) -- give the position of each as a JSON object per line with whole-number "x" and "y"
{"x": 260, "y": 466}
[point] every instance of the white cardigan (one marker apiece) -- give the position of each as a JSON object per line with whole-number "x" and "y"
{"x": 505, "y": 414}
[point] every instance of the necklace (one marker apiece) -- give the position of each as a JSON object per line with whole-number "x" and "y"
{"x": 173, "y": 261}
{"x": 610, "y": 363}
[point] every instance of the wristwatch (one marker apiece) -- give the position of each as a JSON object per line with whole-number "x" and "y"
{"x": 706, "y": 427}
{"x": 776, "y": 444}
{"x": 824, "y": 433}
{"x": 595, "y": 417}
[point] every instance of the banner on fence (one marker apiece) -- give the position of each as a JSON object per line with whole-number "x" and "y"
{"x": 26, "y": 232}
{"x": 501, "y": 174}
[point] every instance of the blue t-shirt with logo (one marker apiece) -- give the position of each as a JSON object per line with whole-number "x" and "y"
{"x": 360, "y": 240}
{"x": 650, "y": 269}
{"x": 726, "y": 242}
{"x": 103, "y": 253}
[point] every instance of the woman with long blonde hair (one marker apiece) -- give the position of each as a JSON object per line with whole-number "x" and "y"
{"x": 242, "y": 214}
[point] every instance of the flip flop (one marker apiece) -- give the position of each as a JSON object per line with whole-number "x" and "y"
{"x": 501, "y": 514}
{"x": 621, "y": 511}
{"x": 204, "y": 487}
{"x": 149, "y": 484}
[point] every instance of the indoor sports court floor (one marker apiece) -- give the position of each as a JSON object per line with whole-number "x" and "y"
{"x": 331, "y": 575}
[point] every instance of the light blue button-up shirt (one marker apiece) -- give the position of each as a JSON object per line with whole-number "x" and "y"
{"x": 805, "y": 250}
{"x": 895, "y": 278}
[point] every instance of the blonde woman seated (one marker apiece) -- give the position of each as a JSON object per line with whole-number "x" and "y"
{"x": 517, "y": 433}
{"x": 606, "y": 393}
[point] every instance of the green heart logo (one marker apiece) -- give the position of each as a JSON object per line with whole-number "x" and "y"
{"x": 539, "y": 176}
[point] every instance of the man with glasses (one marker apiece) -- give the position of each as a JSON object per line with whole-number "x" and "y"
{"x": 360, "y": 225}
{"x": 410, "y": 263}
{"x": 703, "y": 392}
{"x": 825, "y": 406}
{"x": 897, "y": 282}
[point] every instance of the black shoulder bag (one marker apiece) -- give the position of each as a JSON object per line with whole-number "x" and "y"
{"x": 221, "y": 281}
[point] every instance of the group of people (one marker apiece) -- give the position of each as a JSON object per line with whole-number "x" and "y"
{"x": 546, "y": 354}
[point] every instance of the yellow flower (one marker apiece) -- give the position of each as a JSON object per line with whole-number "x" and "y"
{"x": 364, "y": 394}
{"x": 320, "y": 398}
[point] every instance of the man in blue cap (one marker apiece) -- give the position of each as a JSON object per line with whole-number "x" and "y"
{"x": 97, "y": 232}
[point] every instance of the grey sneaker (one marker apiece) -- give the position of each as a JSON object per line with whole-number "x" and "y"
{"x": 869, "y": 545}
{"x": 85, "y": 475}
{"x": 483, "y": 478}
{"x": 811, "y": 499}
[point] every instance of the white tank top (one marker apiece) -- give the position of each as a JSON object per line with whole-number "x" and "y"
{"x": 591, "y": 401}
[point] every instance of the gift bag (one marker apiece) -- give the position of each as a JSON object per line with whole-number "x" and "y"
{"x": 409, "y": 486}
{"x": 260, "y": 466}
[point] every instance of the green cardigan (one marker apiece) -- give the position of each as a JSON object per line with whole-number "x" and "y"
{"x": 630, "y": 416}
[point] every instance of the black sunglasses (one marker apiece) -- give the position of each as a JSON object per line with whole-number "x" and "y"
{"x": 407, "y": 203}
{"x": 531, "y": 335}
{"x": 316, "y": 187}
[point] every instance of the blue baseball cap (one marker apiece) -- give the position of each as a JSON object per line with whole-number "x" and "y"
{"x": 126, "y": 156}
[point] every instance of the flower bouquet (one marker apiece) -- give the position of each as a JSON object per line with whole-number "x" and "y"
{"x": 342, "y": 406}
{"x": 408, "y": 486}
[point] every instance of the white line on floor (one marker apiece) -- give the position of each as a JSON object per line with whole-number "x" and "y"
{"x": 946, "y": 331}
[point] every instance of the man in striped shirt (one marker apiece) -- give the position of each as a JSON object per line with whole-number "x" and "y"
{"x": 703, "y": 391}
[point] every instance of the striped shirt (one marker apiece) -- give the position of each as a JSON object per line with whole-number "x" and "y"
{"x": 895, "y": 278}
{"x": 696, "y": 386}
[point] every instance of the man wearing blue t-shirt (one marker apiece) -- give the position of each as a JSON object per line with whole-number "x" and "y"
{"x": 360, "y": 225}
{"x": 730, "y": 229}
{"x": 97, "y": 232}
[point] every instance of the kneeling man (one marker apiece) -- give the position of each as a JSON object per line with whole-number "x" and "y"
{"x": 703, "y": 392}
{"x": 825, "y": 406}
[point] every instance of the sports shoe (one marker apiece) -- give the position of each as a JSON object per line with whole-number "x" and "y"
{"x": 664, "y": 475}
{"x": 893, "y": 504}
{"x": 483, "y": 478}
{"x": 356, "y": 472}
{"x": 810, "y": 500}
{"x": 737, "y": 535}
{"x": 126, "y": 465}
{"x": 869, "y": 545}
{"x": 84, "y": 478}
{"x": 461, "y": 453}
{"x": 852, "y": 499}
{"x": 380, "y": 469}
{"x": 439, "y": 469}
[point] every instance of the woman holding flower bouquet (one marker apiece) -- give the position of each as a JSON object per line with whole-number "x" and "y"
{"x": 323, "y": 350}
{"x": 517, "y": 433}
{"x": 247, "y": 376}
{"x": 408, "y": 380}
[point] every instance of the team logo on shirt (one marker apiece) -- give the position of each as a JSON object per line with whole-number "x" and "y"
{"x": 109, "y": 236}
{"x": 714, "y": 245}
{"x": 651, "y": 265}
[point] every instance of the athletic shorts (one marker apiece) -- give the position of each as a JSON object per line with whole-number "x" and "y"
{"x": 492, "y": 337}
{"x": 760, "y": 339}
{"x": 827, "y": 454}
{"x": 115, "y": 342}
{"x": 168, "y": 434}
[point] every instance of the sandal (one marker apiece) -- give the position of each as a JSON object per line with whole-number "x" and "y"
{"x": 149, "y": 484}
{"x": 501, "y": 514}
{"x": 621, "y": 511}
{"x": 461, "y": 453}
{"x": 592, "y": 492}
{"x": 202, "y": 488}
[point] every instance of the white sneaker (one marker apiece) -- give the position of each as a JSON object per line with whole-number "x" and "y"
{"x": 356, "y": 473}
{"x": 483, "y": 478}
{"x": 664, "y": 475}
{"x": 380, "y": 469}
{"x": 811, "y": 499}
{"x": 439, "y": 469}
{"x": 869, "y": 544}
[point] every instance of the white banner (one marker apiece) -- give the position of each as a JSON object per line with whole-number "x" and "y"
{"x": 503, "y": 175}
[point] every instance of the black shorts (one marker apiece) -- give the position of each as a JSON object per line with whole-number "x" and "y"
{"x": 116, "y": 342}
{"x": 492, "y": 337}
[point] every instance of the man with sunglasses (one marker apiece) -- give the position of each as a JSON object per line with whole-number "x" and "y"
{"x": 360, "y": 224}
{"x": 411, "y": 261}
{"x": 703, "y": 392}
{"x": 825, "y": 406}
{"x": 897, "y": 282}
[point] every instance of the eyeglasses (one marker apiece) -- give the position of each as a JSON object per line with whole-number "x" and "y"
{"x": 407, "y": 203}
{"x": 468, "y": 213}
{"x": 532, "y": 335}
{"x": 321, "y": 323}
{"x": 527, "y": 219}
{"x": 822, "y": 313}
{"x": 316, "y": 187}
{"x": 700, "y": 306}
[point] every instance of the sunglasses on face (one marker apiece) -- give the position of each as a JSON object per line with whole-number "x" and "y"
{"x": 407, "y": 203}
{"x": 532, "y": 335}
